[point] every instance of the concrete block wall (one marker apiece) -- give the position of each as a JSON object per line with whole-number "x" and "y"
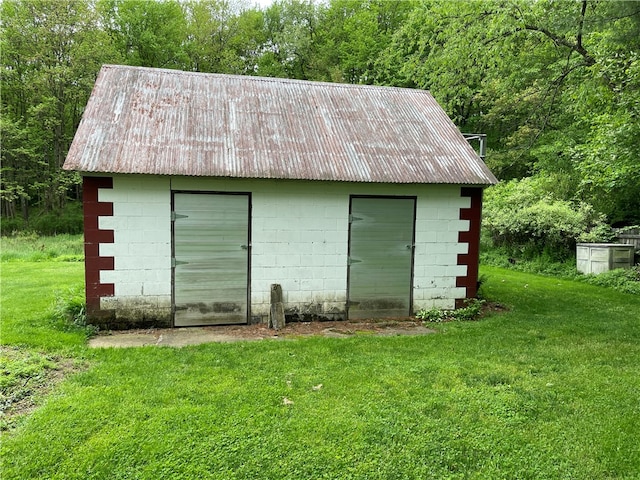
{"x": 299, "y": 239}
{"x": 300, "y": 234}
{"x": 437, "y": 247}
{"x": 141, "y": 225}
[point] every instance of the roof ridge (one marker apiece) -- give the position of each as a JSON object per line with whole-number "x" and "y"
{"x": 266, "y": 79}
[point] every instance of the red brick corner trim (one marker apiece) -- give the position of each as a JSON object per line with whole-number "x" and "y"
{"x": 93, "y": 237}
{"x": 472, "y": 238}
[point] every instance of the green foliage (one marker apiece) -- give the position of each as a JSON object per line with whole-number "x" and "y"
{"x": 555, "y": 86}
{"x": 69, "y": 311}
{"x": 352, "y": 35}
{"x": 147, "y": 33}
{"x": 222, "y": 40}
{"x": 432, "y": 315}
{"x": 526, "y": 217}
{"x": 11, "y": 226}
{"x": 51, "y": 52}
{"x": 625, "y": 280}
{"x": 471, "y": 311}
{"x": 288, "y": 47}
{"x": 608, "y": 165}
{"x": 67, "y": 220}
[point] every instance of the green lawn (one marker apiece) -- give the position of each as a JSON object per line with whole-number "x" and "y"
{"x": 28, "y": 291}
{"x": 548, "y": 389}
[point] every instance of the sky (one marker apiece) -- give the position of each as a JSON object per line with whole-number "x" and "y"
{"x": 260, "y": 3}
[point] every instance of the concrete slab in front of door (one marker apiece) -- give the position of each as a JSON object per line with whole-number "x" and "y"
{"x": 181, "y": 337}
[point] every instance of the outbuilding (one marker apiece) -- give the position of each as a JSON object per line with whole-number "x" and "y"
{"x": 201, "y": 191}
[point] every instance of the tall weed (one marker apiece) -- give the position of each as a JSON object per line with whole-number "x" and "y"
{"x": 625, "y": 280}
{"x": 32, "y": 247}
{"x": 69, "y": 311}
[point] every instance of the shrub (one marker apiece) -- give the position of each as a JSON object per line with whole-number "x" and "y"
{"x": 625, "y": 280}
{"x": 8, "y": 226}
{"x": 69, "y": 220}
{"x": 471, "y": 311}
{"x": 527, "y": 219}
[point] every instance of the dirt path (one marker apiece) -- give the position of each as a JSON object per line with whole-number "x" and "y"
{"x": 178, "y": 337}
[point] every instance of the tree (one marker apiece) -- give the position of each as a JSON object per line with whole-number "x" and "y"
{"x": 608, "y": 162}
{"x": 147, "y": 33}
{"x": 288, "y": 49}
{"x": 553, "y": 84}
{"x": 51, "y": 52}
{"x": 351, "y": 35}
{"x": 223, "y": 37}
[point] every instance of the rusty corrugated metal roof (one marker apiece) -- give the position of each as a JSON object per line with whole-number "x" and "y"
{"x": 168, "y": 122}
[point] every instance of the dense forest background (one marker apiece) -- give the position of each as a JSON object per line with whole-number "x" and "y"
{"x": 555, "y": 85}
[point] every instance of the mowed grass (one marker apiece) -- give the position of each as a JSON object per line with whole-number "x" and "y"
{"x": 548, "y": 389}
{"x": 28, "y": 292}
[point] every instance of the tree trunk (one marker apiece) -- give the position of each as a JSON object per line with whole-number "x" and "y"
{"x": 24, "y": 204}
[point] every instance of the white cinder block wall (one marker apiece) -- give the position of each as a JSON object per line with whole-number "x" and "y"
{"x": 299, "y": 238}
{"x": 141, "y": 225}
{"x": 437, "y": 247}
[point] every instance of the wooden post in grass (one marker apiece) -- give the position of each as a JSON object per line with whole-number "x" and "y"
{"x": 276, "y": 314}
